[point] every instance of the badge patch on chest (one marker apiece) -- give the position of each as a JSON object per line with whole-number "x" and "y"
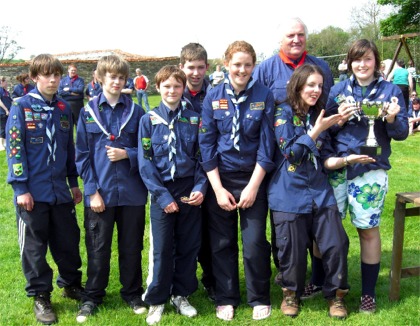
{"x": 36, "y": 140}
{"x": 257, "y": 106}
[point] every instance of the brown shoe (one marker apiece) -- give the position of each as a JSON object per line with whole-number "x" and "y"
{"x": 290, "y": 303}
{"x": 337, "y": 306}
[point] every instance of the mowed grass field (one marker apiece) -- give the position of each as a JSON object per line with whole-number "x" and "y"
{"x": 16, "y": 309}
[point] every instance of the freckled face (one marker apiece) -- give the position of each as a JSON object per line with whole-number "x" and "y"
{"x": 240, "y": 70}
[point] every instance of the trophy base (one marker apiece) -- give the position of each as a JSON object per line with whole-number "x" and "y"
{"x": 371, "y": 150}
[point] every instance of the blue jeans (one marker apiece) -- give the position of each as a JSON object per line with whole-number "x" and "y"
{"x": 141, "y": 93}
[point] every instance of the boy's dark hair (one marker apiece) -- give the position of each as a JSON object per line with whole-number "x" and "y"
{"x": 113, "y": 64}
{"x": 192, "y": 52}
{"x": 296, "y": 83}
{"x": 416, "y": 101}
{"x": 169, "y": 71}
{"x": 358, "y": 49}
{"x": 45, "y": 64}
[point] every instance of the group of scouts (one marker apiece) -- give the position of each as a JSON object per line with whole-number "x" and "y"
{"x": 274, "y": 139}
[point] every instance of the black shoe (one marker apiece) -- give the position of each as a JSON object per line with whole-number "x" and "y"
{"x": 210, "y": 293}
{"x": 44, "y": 312}
{"x": 138, "y": 306}
{"x": 86, "y": 309}
{"x": 73, "y": 292}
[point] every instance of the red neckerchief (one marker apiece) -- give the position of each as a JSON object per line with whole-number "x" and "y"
{"x": 289, "y": 62}
{"x": 24, "y": 90}
{"x": 73, "y": 79}
{"x": 193, "y": 93}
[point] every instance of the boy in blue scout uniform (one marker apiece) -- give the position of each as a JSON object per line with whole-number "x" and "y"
{"x": 193, "y": 62}
{"x": 169, "y": 165}
{"x": 237, "y": 146}
{"x": 106, "y": 158}
{"x": 42, "y": 172}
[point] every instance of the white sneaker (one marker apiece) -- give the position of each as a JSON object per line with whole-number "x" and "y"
{"x": 183, "y": 306}
{"x": 155, "y": 314}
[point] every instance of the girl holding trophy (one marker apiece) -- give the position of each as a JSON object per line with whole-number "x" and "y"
{"x": 360, "y": 182}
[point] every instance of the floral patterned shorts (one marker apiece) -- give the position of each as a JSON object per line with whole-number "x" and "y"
{"x": 364, "y": 196}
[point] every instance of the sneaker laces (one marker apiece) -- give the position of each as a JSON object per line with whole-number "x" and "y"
{"x": 183, "y": 303}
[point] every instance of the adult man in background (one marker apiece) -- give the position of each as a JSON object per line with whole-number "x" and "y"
{"x": 71, "y": 89}
{"x": 141, "y": 82}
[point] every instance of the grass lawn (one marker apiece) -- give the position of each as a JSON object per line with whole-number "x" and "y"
{"x": 16, "y": 309}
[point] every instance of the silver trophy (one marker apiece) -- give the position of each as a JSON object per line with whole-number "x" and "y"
{"x": 371, "y": 111}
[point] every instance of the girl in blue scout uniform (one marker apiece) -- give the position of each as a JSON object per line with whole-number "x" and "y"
{"x": 302, "y": 201}
{"x": 169, "y": 165}
{"x": 237, "y": 145}
{"x": 42, "y": 172}
{"x": 365, "y": 177}
{"x": 106, "y": 158}
{"x": 24, "y": 87}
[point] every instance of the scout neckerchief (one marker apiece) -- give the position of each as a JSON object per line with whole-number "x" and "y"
{"x": 309, "y": 127}
{"x": 50, "y": 128}
{"x": 236, "y": 102}
{"x": 289, "y": 62}
{"x": 98, "y": 120}
{"x": 371, "y": 95}
{"x": 172, "y": 135}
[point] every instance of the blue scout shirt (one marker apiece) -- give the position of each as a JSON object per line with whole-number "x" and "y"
{"x": 19, "y": 90}
{"x": 256, "y": 131}
{"x": 37, "y": 165}
{"x": 118, "y": 183}
{"x": 77, "y": 86}
{"x": 348, "y": 139}
{"x": 93, "y": 89}
{"x": 197, "y": 100}
{"x": 275, "y": 74}
{"x": 154, "y": 151}
{"x": 6, "y": 99}
{"x": 300, "y": 179}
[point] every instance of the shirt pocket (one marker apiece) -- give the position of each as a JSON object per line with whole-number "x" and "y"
{"x": 160, "y": 145}
{"x": 252, "y": 123}
{"x": 188, "y": 136}
{"x": 129, "y": 134}
{"x": 223, "y": 120}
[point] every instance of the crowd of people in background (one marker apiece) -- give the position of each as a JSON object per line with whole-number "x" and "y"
{"x": 254, "y": 142}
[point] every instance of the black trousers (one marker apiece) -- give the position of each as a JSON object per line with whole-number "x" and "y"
{"x": 54, "y": 227}
{"x": 174, "y": 245}
{"x": 295, "y": 234}
{"x": 99, "y": 227}
{"x": 223, "y": 227}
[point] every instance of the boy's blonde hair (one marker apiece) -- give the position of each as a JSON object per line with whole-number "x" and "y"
{"x": 169, "y": 71}
{"x": 112, "y": 64}
{"x": 45, "y": 64}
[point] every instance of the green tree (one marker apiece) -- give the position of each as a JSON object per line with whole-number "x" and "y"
{"x": 8, "y": 45}
{"x": 406, "y": 18}
{"x": 330, "y": 41}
